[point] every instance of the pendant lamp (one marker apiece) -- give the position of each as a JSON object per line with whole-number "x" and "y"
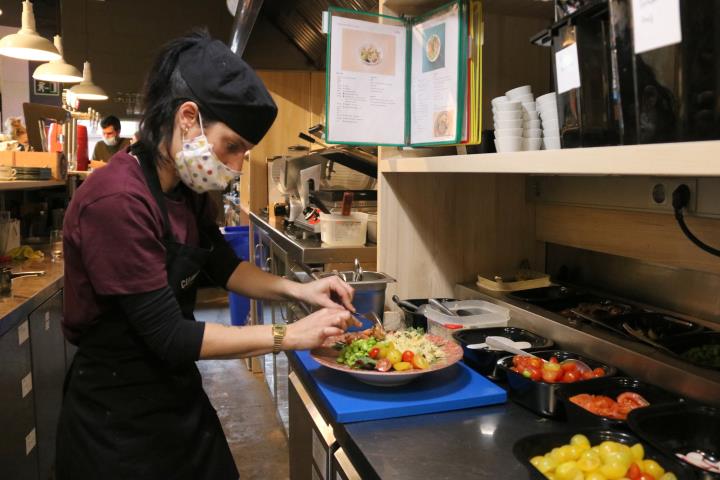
{"x": 58, "y": 70}
{"x": 26, "y": 44}
{"x": 87, "y": 90}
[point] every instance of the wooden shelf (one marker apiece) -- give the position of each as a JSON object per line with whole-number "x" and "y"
{"x": 30, "y": 184}
{"x": 694, "y": 159}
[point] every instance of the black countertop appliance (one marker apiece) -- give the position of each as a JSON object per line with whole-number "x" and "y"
{"x": 586, "y": 113}
{"x": 668, "y": 77}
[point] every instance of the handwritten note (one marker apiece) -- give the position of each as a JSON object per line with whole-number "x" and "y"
{"x": 567, "y": 69}
{"x": 656, "y": 23}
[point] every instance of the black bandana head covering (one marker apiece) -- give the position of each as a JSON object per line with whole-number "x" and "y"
{"x": 228, "y": 88}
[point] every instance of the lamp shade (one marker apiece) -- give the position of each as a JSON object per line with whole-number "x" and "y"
{"x": 58, "y": 70}
{"x": 26, "y": 44}
{"x": 87, "y": 90}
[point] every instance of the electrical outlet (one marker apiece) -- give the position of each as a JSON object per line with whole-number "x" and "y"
{"x": 660, "y": 192}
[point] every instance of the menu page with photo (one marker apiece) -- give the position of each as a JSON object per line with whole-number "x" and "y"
{"x": 366, "y": 80}
{"x": 437, "y": 78}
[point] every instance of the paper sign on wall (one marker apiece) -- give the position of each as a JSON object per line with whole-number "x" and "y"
{"x": 567, "y": 69}
{"x": 656, "y": 23}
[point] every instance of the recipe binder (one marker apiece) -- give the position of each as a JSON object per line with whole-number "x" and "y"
{"x": 399, "y": 81}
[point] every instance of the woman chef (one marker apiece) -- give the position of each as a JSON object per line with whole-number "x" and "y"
{"x": 137, "y": 234}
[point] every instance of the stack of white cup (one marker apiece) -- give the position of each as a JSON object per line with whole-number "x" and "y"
{"x": 507, "y": 117}
{"x": 517, "y": 125}
{"x": 547, "y": 107}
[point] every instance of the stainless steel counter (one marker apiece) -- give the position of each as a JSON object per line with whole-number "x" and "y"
{"x": 306, "y": 248}
{"x": 635, "y": 359}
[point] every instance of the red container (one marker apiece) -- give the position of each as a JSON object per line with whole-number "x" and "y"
{"x": 82, "y": 148}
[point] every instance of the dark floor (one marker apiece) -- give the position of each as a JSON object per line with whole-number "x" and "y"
{"x": 243, "y": 403}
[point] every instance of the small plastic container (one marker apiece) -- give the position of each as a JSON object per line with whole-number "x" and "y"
{"x": 473, "y": 314}
{"x": 340, "y": 230}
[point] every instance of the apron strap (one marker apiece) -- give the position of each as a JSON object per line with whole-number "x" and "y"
{"x": 149, "y": 170}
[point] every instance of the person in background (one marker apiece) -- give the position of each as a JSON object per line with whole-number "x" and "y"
{"x": 17, "y": 131}
{"x": 112, "y": 143}
{"x": 135, "y": 137}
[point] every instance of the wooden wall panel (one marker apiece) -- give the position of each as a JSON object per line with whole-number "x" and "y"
{"x": 440, "y": 229}
{"x": 317, "y": 98}
{"x": 297, "y": 110}
{"x": 510, "y": 60}
{"x": 649, "y": 237}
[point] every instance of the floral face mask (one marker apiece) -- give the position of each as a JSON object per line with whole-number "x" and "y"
{"x": 199, "y": 168}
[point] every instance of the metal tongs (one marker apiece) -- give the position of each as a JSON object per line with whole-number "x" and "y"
{"x": 357, "y": 272}
{"x": 378, "y": 331}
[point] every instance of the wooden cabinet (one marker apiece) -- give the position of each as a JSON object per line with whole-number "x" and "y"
{"x": 18, "y": 441}
{"x": 33, "y": 359}
{"x": 48, "y": 370}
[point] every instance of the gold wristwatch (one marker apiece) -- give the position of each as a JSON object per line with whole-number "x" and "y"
{"x": 278, "y": 331}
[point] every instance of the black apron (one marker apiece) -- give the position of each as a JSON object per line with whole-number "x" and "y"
{"x": 125, "y": 414}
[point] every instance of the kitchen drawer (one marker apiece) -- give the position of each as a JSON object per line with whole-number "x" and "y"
{"x": 342, "y": 467}
{"x": 311, "y": 440}
{"x": 18, "y": 449}
{"x": 48, "y": 367}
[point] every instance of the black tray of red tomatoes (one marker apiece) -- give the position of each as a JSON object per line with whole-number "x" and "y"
{"x": 536, "y": 384}
{"x": 608, "y": 401}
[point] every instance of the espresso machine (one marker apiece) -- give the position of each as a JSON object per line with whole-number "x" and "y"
{"x": 317, "y": 181}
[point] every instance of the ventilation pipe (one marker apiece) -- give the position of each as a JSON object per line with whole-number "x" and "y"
{"x": 245, "y": 16}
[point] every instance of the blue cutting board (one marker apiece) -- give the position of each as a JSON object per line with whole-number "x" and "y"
{"x": 349, "y": 400}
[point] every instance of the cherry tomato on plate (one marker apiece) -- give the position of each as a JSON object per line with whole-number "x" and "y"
{"x": 374, "y": 352}
{"x": 407, "y": 356}
{"x": 599, "y": 372}
{"x": 420, "y": 362}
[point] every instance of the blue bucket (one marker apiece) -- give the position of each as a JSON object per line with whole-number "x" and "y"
{"x": 239, "y": 240}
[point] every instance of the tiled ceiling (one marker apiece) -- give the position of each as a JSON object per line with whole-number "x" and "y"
{"x": 301, "y": 21}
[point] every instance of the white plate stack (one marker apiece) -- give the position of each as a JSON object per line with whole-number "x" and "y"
{"x": 547, "y": 107}
{"x": 517, "y": 124}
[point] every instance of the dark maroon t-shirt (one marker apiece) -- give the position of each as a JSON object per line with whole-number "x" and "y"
{"x": 112, "y": 237}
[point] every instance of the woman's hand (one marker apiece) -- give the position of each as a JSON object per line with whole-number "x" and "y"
{"x": 310, "y": 332}
{"x": 328, "y": 292}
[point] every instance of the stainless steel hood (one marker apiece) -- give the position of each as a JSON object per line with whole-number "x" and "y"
{"x": 301, "y": 22}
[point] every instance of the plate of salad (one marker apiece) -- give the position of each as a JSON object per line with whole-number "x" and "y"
{"x": 389, "y": 359}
